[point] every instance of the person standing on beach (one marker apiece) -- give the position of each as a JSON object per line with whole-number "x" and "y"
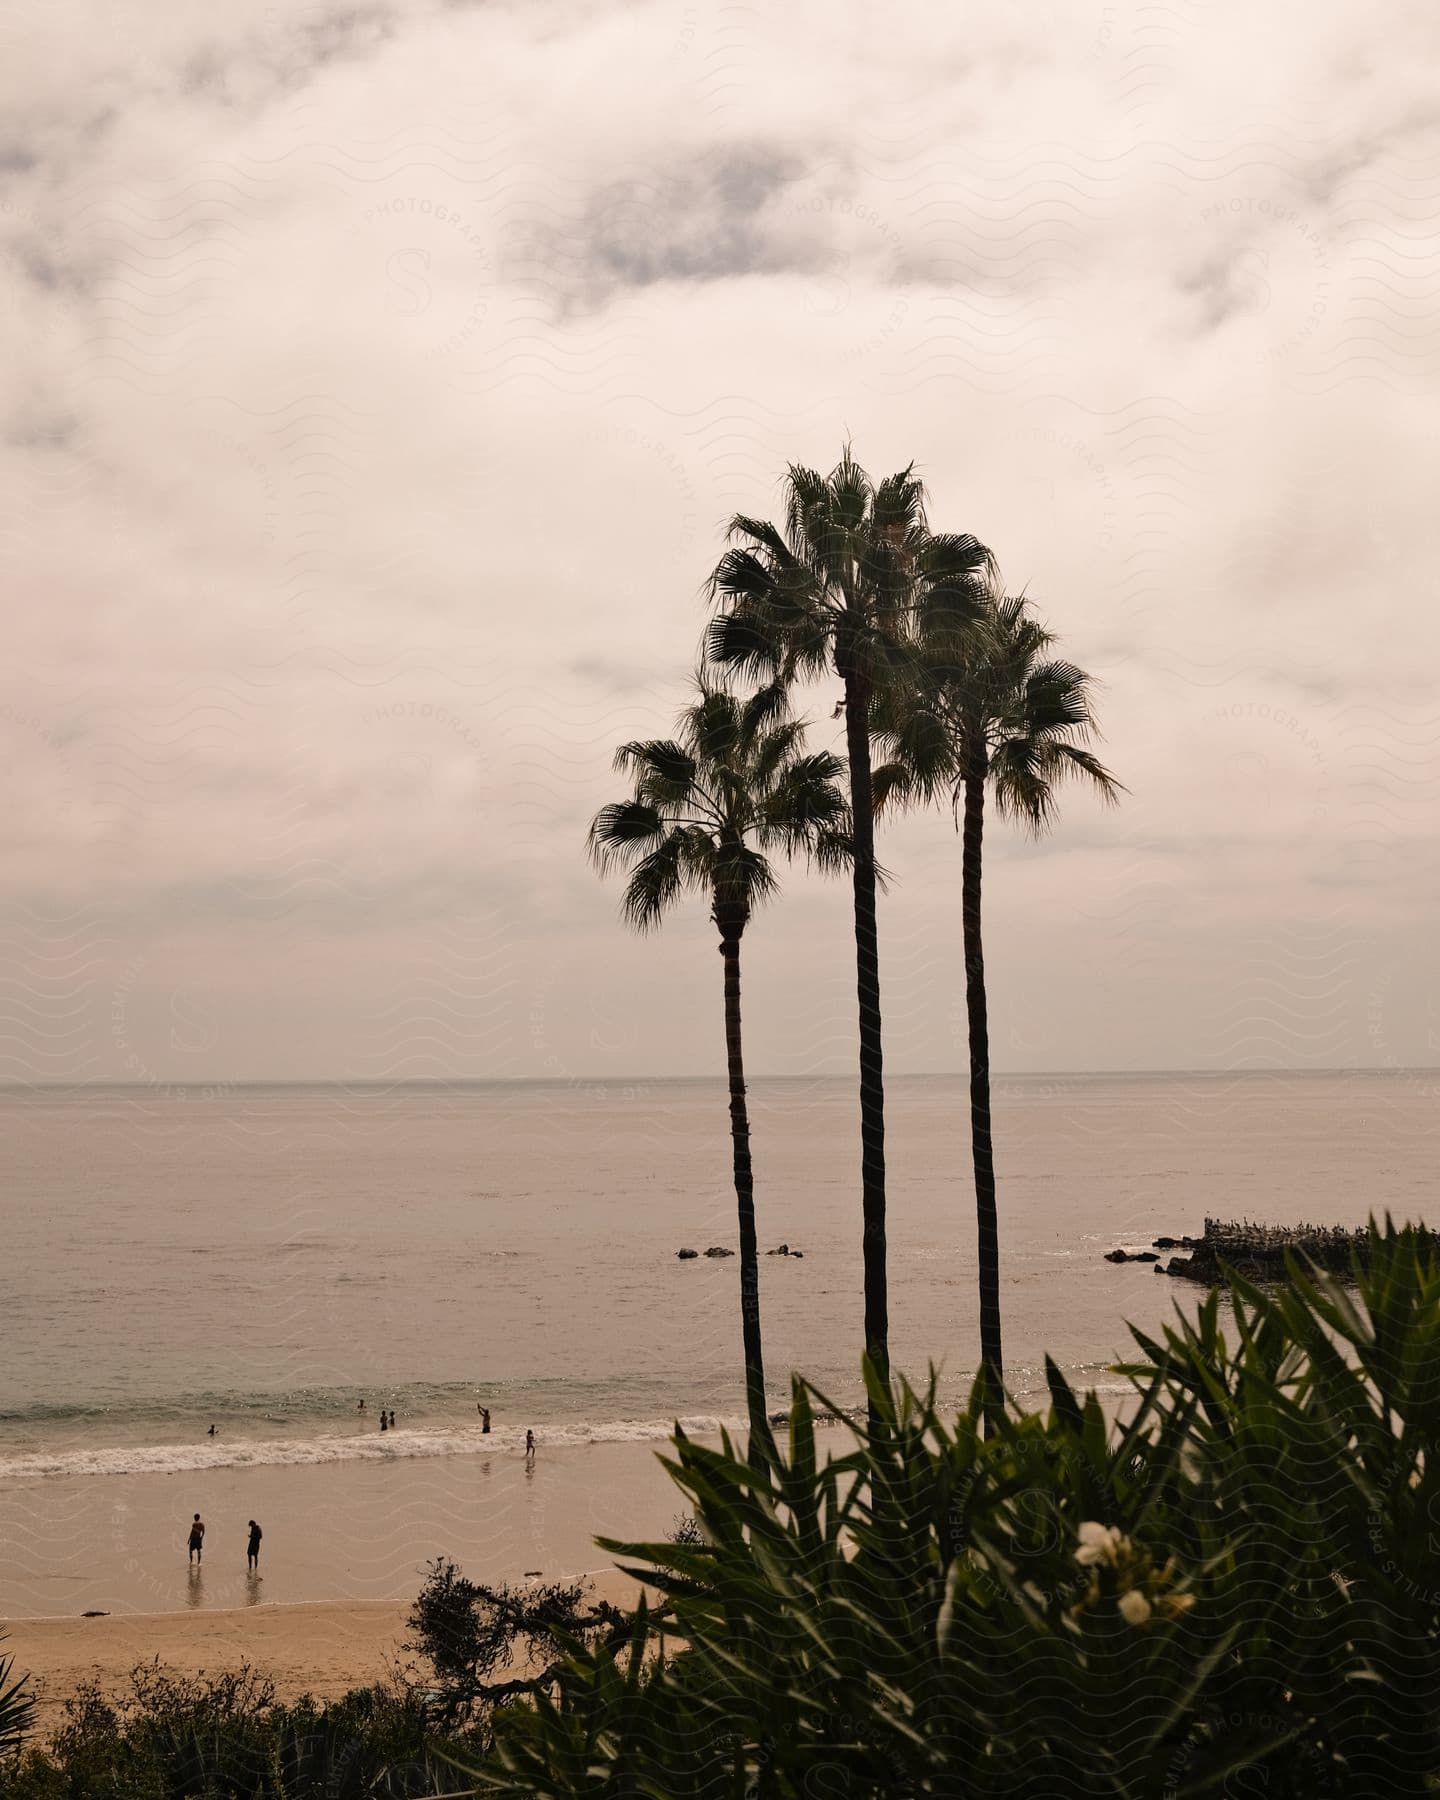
{"x": 484, "y": 1420}
{"x": 529, "y": 1445}
{"x": 252, "y": 1555}
{"x": 197, "y": 1537}
{"x": 383, "y": 1425}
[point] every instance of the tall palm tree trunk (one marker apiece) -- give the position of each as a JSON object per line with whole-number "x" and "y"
{"x": 744, "y": 1193}
{"x": 991, "y": 1358}
{"x": 867, "y": 983}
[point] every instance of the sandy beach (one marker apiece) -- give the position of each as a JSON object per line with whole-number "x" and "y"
{"x": 305, "y": 1649}
{"x": 343, "y": 1556}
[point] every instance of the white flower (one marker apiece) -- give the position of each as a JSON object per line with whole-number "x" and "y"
{"x": 1134, "y": 1607}
{"x": 1099, "y": 1543}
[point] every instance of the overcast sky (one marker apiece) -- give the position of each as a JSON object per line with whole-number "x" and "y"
{"x": 379, "y": 380}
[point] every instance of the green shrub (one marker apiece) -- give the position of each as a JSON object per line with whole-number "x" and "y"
{"x": 17, "y": 1707}
{"x": 481, "y": 1645}
{"x": 225, "y": 1737}
{"x": 1238, "y": 1585}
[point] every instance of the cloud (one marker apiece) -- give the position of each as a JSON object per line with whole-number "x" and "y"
{"x": 382, "y": 380}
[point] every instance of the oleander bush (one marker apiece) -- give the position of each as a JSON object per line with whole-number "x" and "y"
{"x": 1234, "y": 1591}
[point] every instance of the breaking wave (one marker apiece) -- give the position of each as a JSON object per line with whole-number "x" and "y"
{"x": 400, "y": 1445}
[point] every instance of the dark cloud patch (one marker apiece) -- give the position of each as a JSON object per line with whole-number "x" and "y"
{"x": 285, "y": 53}
{"x": 43, "y": 431}
{"x": 704, "y": 222}
{"x": 1226, "y": 286}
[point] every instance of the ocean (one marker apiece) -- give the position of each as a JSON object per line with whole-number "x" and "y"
{"x": 262, "y": 1258}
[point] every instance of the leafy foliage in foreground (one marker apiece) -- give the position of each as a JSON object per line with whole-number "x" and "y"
{"x": 225, "y": 1737}
{"x": 1239, "y": 1585}
{"x": 17, "y": 1705}
{"x": 481, "y": 1645}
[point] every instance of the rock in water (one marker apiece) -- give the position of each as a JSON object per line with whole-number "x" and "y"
{"x": 1116, "y": 1256}
{"x": 719, "y": 1250}
{"x": 686, "y": 1255}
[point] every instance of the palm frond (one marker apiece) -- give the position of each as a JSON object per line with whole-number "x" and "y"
{"x": 804, "y": 796}
{"x": 712, "y": 725}
{"x": 831, "y": 851}
{"x": 1027, "y": 770}
{"x": 850, "y": 492}
{"x": 620, "y": 832}
{"x": 1078, "y": 763}
{"x": 766, "y": 707}
{"x": 657, "y": 883}
{"x": 1024, "y": 793}
{"x": 663, "y": 769}
{"x": 893, "y": 788}
{"x": 742, "y": 575}
{"x": 805, "y": 493}
{"x": 913, "y": 725}
{"x": 745, "y": 641}
{"x": 771, "y": 751}
{"x": 1055, "y": 698}
{"x": 898, "y": 506}
{"x": 763, "y": 534}
{"x": 955, "y": 556}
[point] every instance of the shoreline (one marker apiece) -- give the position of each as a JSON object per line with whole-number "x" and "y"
{"x": 343, "y": 1558}
{"x": 335, "y": 1533}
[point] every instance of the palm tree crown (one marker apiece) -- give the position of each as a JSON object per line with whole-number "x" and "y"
{"x": 712, "y": 804}
{"x": 847, "y": 583}
{"x": 1002, "y": 701}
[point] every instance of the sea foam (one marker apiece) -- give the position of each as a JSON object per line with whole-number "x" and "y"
{"x": 399, "y": 1445}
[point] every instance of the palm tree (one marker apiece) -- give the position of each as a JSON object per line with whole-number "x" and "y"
{"x": 845, "y": 586}
{"x": 707, "y": 806}
{"x": 1010, "y": 717}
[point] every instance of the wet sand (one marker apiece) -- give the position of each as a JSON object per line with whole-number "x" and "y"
{"x": 343, "y": 1556}
{"x": 333, "y": 1531}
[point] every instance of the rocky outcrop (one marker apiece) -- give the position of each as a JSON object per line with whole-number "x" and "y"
{"x": 687, "y": 1255}
{"x": 719, "y": 1250}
